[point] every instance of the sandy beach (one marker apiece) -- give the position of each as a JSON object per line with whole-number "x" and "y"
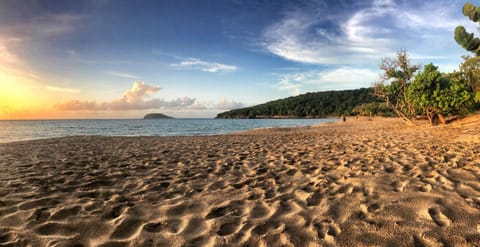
{"x": 359, "y": 183}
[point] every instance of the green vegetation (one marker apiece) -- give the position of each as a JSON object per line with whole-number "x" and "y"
{"x": 373, "y": 109}
{"x": 403, "y": 90}
{"x": 467, "y": 40}
{"x": 429, "y": 92}
{"x": 437, "y": 94}
{"x": 392, "y": 88}
{"x": 156, "y": 116}
{"x": 309, "y": 105}
{"x": 471, "y": 66}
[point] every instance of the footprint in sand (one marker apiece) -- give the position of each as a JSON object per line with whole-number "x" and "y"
{"x": 194, "y": 227}
{"x": 327, "y": 229}
{"x": 114, "y": 213}
{"x": 267, "y": 227}
{"x": 55, "y": 229}
{"x": 174, "y": 225}
{"x": 259, "y": 211}
{"x": 399, "y": 186}
{"x": 65, "y": 213}
{"x": 217, "y": 212}
{"x": 154, "y": 227}
{"x": 233, "y": 208}
{"x": 127, "y": 228}
{"x": 229, "y": 227}
{"x": 375, "y": 207}
{"x": 425, "y": 188}
{"x": 438, "y": 217}
{"x": 184, "y": 208}
{"x": 315, "y": 199}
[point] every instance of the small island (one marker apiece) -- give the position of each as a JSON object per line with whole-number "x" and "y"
{"x": 156, "y": 116}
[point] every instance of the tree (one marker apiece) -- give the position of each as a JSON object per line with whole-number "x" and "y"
{"x": 426, "y": 92}
{"x": 438, "y": 95}
{"x": 471, "y": 66}
{"x": 460, "y": 97}
{"x": 372, "y": 109}
{"x": 468, "y": 40}
{"x": 392, "y": 87}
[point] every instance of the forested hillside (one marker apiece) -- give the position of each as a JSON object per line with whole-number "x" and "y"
{"x": 309, "y": 105}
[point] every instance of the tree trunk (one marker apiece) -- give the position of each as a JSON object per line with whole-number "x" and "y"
{"x": 441, "y": 118}
{"x": 430, "y": 117}
{"x": 407, "y": 120}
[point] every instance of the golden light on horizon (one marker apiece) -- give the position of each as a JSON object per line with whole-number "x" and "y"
{"x": 19, "y": 96}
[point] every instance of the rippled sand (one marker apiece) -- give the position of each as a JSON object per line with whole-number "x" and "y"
{"x": 362, "y": 183}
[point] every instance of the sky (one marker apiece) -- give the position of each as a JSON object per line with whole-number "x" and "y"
{"x": 188, "y": 59}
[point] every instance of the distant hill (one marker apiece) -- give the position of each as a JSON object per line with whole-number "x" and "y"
{"x": 309, "y": 105}
{"x": 156, "y": 116}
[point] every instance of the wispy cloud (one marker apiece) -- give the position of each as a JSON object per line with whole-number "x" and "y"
{"x": 19, "y": 37}
{"x": 122, "y": 74}
{"x": 223, "y": 104}
{"x": 314, "y": 80}
{"x": 213, "y": 67}
{"x": 136, "y": 98}
{"x": 61, "y": 89}
{"x": 361, "y": 32}
{"x": 6, "y": 55}
{"x": 44, "y": 26}
{"x": 71, "y": 52}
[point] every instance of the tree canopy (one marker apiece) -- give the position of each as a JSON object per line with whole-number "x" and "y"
{"x": 428, "y": 92}
{"x": 471, "y": 66}
{"x": 392, "y": 87}
{"x": 309, "y": 105}
{"x": 436, "y": 94}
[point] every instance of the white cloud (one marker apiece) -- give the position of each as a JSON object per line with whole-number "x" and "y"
{"x": 364, "y": 31}
{"x": 194, "y": 63}
{"x": 222, "y": 104}
{"x": 339, "y": 78}
{"x": 122, "y": 74}
{"x": 226, "y": 104}
{"x": 139, "y": 98}
{"x": 136, "y": 98}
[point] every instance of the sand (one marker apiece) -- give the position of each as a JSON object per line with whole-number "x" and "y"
{"x": 359, "y": 183}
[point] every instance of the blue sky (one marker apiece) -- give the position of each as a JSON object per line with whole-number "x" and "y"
{"x": 115, "y": 58}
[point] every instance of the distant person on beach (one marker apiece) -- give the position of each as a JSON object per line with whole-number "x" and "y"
{"x": 343, "y": 118}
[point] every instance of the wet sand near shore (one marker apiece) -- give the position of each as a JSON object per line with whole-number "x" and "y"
{"x": 359, "y": 183}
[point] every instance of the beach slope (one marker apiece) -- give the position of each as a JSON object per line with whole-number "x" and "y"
{"x": 359, "y": 183}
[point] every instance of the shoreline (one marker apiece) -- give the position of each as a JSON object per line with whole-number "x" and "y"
{"x": 160, "y": 135}
{"x": 358, "y": 183}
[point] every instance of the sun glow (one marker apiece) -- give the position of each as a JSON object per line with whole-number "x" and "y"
{"x": 19, "y": 95}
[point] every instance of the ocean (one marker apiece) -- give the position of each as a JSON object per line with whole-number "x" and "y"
{"x": 18, "y": 130}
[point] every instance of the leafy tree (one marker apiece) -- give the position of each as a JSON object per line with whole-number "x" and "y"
{"x": 392, "y": 88}
{"x": 426, "y": 92}
{"x": 372, "y": 109}
{"x": 471, "y": 66}
{"x": 460, "y": 97}
{"x": 438, "y": 94}
{"x": 468, "y": 40}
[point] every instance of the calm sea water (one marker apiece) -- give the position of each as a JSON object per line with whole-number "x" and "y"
{"x": 37, "y": 129}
